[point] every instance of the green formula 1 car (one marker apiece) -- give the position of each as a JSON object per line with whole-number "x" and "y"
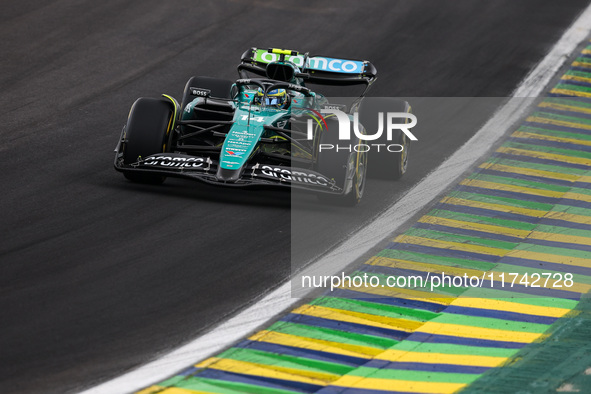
{"x": 267, "y": 128}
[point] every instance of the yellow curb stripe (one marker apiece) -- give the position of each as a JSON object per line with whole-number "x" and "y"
{"x": 441, "y": 358}
{"x": 507, "y": 306}
{"x": 274, "y": 371}
{"x": 315, "y": 344}
{"x": 544, "y": 137}
{"x": 493, "y": 207}
{"x": 423, "y": 267}
{"x": 358, "y": 318}
{"x": 575, "y": 78}
{"x": 530, "y": 171}
{"x": 569, "y": 92}
{"x": 493, "y": 334}
{"x": 551, "y": 258}
{"x": 511, "y": 188}
{"x": 545, "y": 155}
{"x": 564, "y": 107}
{"x": 568, "y": 217}
{"x": 488, "y": 228}
{"x": 356, "y": 382}
{"x": 409, "y": 239}
{"x": 571, "y": 239}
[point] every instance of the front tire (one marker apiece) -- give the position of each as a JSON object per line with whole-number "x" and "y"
{"x": 146, "y": 133}
{"x": 385, "y": 164}
{"x": 347, "y": 169}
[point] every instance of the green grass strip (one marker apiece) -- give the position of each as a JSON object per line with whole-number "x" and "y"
{"x": 285, "y": 361}
{"x": 432, "y": 259}
{"x": 327, "y": 334}
{"x": 450, "y": 237}
{"x": 374, "y": 308}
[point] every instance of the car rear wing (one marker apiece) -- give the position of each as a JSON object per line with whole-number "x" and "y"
{"x": 315, "y": 69}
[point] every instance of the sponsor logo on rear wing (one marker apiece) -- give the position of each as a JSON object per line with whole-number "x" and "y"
{"x": 317, "y": 63}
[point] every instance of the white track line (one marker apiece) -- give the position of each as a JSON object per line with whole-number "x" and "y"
{"x": 359, "y": 243}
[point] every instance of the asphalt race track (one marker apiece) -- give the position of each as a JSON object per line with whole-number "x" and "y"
{"x": 98, "y": 275}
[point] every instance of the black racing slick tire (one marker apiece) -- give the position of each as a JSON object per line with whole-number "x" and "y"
{"x": 148, "y": 125}
{"x": 347, "y": 169}
{"x": 391, "y": 161}
{"x": 220, "y": 88}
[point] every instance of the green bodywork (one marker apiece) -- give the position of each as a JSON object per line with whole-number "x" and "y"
{"x": 242, "y": 140}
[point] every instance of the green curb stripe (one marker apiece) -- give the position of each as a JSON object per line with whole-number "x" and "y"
{"x": 562, "y": 118}
{"x": 567, "y": 102}
{"x": 576, "y": 88}
{"x": 580, "y": 190}
{"x": 374, "y": 308}
{"x": 305, "y": 364}
{"x": 555, "y": 251}
{"x": 491, "y": 322}
{"x": 518, "y": 182}
{"x": 548, "y": 149}
{"x": 446, "y": 348}
{"x": 564, "y": 231}
{"x": 576, "y": 73}
{"x": 221, "y": 386}
{"x": 512, "y": 202}
{"x": 442, "y": 213}
{"x": 449, "y": 237}
{"x": 537, "y": 166}
{"x": 417, "y": 376}
{"x": 327, "y": 334}
{"x": 526, "y": 299}
{"x": 507, "y": 268}
{"x": 583, "y": 60}
{"x": 554, "y": 133}
{"x": 432, "y": 259}
{"x": 573, "y": 210}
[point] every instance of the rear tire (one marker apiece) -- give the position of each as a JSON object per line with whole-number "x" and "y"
{"x": 146, "y": 134}
{"x": 385, "y": 164}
